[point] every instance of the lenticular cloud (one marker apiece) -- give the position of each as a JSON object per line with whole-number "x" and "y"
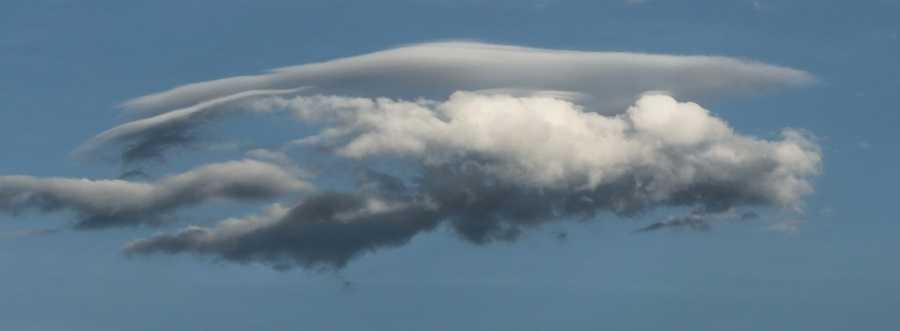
{"x": 436, "y": 70}
{"x": 487, "y": 140}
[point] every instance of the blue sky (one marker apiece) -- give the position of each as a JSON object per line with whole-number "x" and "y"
{"x": 67, "y": 65}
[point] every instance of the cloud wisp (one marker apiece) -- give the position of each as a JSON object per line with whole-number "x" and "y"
{"x": 112, "y": 203}
{"x": 492, "y": 165}
{"x": 27, "y": 233}
{"x": 148, "y": 138}
{"x": 697, "y": 221}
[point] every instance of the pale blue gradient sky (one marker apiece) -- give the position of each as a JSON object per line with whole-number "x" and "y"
{"x": 66, "y": 64}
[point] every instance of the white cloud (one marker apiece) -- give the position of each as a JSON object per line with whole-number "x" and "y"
{"x": 552, "y": 143}
{"x": 611, "y": 80}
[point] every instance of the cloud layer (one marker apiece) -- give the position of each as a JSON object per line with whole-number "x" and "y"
{"x": 111, "y": 203}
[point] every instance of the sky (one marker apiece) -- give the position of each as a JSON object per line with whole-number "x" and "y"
{"x": 448, "y": 165}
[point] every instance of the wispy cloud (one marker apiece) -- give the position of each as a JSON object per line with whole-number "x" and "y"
{"x": 786, "y": 226}
{"x": 25, "y": 233}
{"x": 147, "y": 138}
{"x": 110, "y": 203}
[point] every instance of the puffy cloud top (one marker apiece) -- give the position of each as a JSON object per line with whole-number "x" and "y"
{"x": 551, "y": 143}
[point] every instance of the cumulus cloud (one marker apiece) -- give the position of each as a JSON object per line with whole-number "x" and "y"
{"x": 547, "y": 143}
{"x": 491, "y": 165}
{"x": 110, "y": 203}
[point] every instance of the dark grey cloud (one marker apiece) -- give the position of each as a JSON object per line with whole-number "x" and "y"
{"x": 109, "y": 203}
{"x": 325, "y": 230}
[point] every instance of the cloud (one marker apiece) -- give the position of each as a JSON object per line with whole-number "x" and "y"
{"x": 436, "y": 70}
{"x": 605, "y": 82}
{"x": 490, "y": 166}
{"x": 325, "y": 230}
{"x": 110, "y": 203}
{"x": 864, "y": 145}
{"x": 276, "y": 157}
{"x": 148, "y": 137}
{"x": 786, "y": 226}
{"x": 693, "y": 222}
{"x": 698, "y": 220}
{"x": 25, "y": 233}
{"x": 546, "y": 143}
{"x": 486, "y": 140}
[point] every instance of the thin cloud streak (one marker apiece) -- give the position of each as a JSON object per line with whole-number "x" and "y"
{"x": 115, "y": 203}
{"x": 147, "y": 138}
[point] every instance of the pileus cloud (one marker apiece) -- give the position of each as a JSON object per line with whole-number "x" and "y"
{"x": 436, "y": 70}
